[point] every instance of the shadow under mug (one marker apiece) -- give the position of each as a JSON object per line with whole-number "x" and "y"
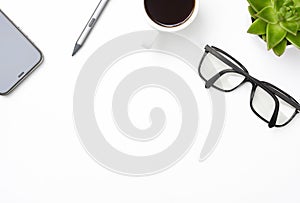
{"x": 171, "y": 15}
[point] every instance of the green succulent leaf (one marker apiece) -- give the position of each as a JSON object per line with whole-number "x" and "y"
{"x": 258, "y": 27}
{"x": 268, "y": 14}
{"x": 280, "y": 48}
{"x": 252, "y": 12}
{"x": 277, "y": 22}
{"x": 278, "y": 4}
{"x": 275, "y": 34}
{"x": 298, "y": 11}
{"x": 289, "y": 3}
{"x": 258, "y": 5}
{"x": 291, "y": 27}
{"x": 295, "y": 40}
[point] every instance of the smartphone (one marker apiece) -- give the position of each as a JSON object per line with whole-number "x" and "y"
{"x": 18, "y": 55}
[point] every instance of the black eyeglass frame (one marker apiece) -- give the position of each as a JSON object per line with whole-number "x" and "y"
{"x": 272, "y": 90}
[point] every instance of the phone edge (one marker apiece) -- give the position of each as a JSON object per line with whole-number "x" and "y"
{"x": 33, "y": 68}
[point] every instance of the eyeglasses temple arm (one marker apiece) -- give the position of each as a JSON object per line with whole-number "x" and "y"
{"x": 215, "y": 51}
{"x": 232, "y": 58}
{"x": 285, "y": 98}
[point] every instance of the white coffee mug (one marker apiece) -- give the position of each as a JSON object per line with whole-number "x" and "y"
{"x": 175, "y": 28}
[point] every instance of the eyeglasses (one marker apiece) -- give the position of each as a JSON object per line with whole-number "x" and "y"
{"x": 267, "y": 101}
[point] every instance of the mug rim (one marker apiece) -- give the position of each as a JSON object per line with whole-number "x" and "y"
{"x": 175, "y": 28}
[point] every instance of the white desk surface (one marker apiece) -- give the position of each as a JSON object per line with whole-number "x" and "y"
{"x": 42, "y": 160}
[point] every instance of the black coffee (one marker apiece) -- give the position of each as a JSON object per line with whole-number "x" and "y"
{"x": 169, "y": 13}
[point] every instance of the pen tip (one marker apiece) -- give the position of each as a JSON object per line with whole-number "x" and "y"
{"x": 76, "y": 49}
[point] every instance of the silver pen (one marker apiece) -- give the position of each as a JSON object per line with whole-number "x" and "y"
{"x": 89, "y": 26}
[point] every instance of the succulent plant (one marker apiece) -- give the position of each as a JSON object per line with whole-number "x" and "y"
{"x": 277, "y": 22}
